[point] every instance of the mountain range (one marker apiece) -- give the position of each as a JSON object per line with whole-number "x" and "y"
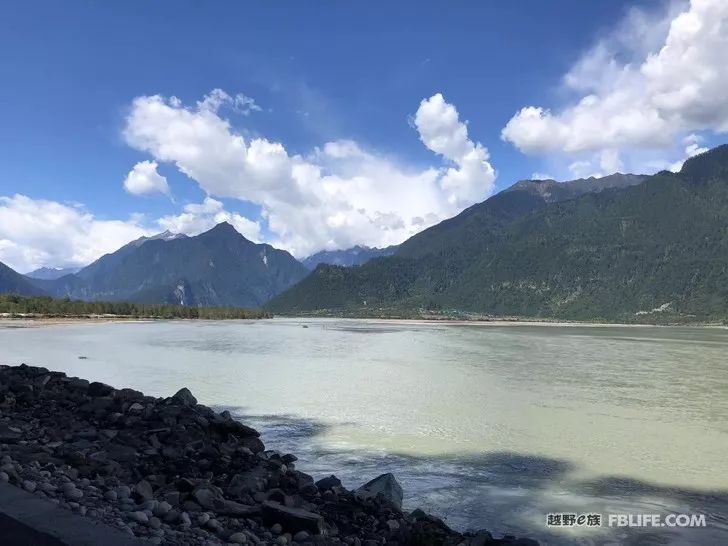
{"x": 616, "y": 248}
{"x": 619, "y": 248}
{"x": 356, "y": 255}
{"x": 217, "y": 268}
{"x": 52, "y": 273}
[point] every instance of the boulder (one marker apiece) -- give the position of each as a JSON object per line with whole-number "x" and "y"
{"x": 248, "y": 482}
{"x": 99, "y": 389}
{"x": 328, "y": 483}
{"x": 144, "y": 489}
{"x": 184, "y": 397}
{"x": 210, "y": 498}
{"x": 291, "y": 519}
{"x": 385, "y": 486}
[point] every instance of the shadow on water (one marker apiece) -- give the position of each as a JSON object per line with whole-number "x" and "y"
{"x": 504, "y": 492}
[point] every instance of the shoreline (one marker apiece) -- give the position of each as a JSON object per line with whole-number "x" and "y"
{"x": 42, "y": 320}
{"x": 175, "y": 472}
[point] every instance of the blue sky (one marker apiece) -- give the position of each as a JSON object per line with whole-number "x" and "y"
{"x": 343, "y": 72}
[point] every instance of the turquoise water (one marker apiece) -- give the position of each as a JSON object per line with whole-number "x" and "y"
{"x": 485, "y": 425}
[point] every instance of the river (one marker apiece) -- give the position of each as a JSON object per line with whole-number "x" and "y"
{"x": 485, "y": 425}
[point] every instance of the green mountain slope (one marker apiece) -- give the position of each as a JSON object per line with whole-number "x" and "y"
{"x": 216, "y": 268}
{"x": 630, "y": 252}
{"x": 13, "y": 282}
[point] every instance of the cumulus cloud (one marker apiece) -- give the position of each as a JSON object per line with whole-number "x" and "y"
{"x": 218, "y": 98}
{"x": 35, "y": 233}
{"x": 199, "y": 217}
{"x": 337, "y": 196}
{"x": 541, "y": 176}
{"x": 692, "y": 148}
{"x": 646, "y": 86}
{"x": 144, "y": 179}
{"x": 441, "y": 131}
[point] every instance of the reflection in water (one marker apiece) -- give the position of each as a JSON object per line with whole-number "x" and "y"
{"x": 487, "y": 425}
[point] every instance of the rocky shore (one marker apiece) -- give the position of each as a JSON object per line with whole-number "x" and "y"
{"x": 175, "y": 472}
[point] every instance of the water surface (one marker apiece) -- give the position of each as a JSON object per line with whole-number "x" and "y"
{"x": 485, "y": 425}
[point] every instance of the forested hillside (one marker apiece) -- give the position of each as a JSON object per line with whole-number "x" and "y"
{"x": 651, "y": 251}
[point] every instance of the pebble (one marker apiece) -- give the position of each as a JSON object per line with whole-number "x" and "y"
{"x": 73, "y": 494}
{"x": 301, "y": 536}
{"x": 139, "y": 517}
{"x": 29, "y": 486}
{"x": 238, "y": 538}
{"x": 123, "y": 491}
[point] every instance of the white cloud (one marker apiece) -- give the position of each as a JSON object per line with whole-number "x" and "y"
{"x": 144, "y": 179}
{"x": 217, "y": 98}
{"x": 35, "y": 233}
{"x": 644, "y": 87}
{"x": 442, "y": 132}
{"x": 337, "y": 196}
{"x": 692, "y": 148}
{"x": 197, "y": 218}
{"x": 541, "y": 176}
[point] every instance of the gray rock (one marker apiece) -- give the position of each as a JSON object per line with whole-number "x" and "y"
{"x": 184, "y": 397}
{"x": 144, "y": 489}
{"x": 328, "y": 483}
{"x": 123, "y": 491}
{"x": 73, "y": 494}
{"x": 385, "y": 486}
{"x": 210, "y": 498}
{"x": 301, "y": 536}
{"x": 162, "y": 508}
{"x": 214, "y": 525}
{"x": 291, "y": 519}
{"x": 29, "y": 485}
{"x": 8, "y": 435}
{"x": 238, "y": 538}
{"x": 139, "y": 517}
{"x": 172, "y": 498}
{"x": 154, "y": 523}
{"x": 249, "y": 482}
{"x": 136, "y": 407}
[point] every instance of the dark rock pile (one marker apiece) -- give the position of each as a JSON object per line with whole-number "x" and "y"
{"x": 175, "y": 472}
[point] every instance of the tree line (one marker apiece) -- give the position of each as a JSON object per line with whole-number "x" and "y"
{"x": 16, "y": 305}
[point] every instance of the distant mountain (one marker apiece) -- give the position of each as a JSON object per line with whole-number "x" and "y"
{"x": 356, "y": 255}
{"x": 52, "y": 273}
{"x": 13, "y": 282}
{"x": 218, "y": 267}
{"x": 617, "y": 248}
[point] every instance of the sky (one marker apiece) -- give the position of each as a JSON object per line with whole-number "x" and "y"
{"x": 325, "y": 125}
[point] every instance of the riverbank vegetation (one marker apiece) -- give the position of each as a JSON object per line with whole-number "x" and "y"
{"x": 44, "y": 306}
